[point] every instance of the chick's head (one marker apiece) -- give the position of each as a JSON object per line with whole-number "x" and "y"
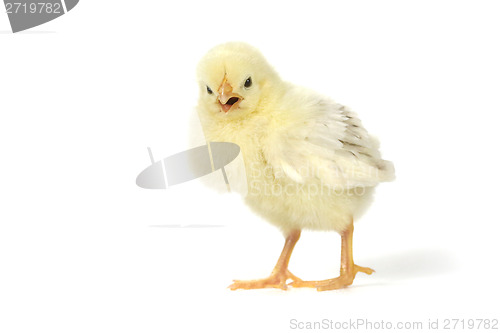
{"x": 233, "y": 79}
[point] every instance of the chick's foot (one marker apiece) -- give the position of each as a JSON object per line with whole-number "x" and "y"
{"x": 275, "y": 280}
{"x": 344, "y": 280}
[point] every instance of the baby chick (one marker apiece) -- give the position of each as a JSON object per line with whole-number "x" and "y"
{"x": 309, "y": 162}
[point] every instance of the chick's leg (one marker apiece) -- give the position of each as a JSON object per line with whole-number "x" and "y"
{"x": 348, "y": 269}
{"x": 280, "y": 273}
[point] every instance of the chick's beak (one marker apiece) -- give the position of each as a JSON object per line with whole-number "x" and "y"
{"x": 228, "y": 99}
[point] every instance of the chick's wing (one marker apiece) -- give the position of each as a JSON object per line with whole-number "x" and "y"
{"x": 325, "y": 141}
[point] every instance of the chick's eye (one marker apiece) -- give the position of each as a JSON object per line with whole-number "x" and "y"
{"x": 248, "y": 82}
{"x": 209, "y": 90}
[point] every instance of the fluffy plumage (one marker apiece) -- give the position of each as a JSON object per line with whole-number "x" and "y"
{"x": 310, "y": 164}
{"x": 294, "y": 141}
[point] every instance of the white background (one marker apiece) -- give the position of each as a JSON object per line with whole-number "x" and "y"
{"x": 83, "y": 249}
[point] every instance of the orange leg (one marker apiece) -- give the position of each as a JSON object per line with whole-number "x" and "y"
{"x": 348, "y": 269}
{"x": 280, "y": 273}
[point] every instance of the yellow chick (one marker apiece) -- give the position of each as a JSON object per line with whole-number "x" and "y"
{"x": 309, "y": 162}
